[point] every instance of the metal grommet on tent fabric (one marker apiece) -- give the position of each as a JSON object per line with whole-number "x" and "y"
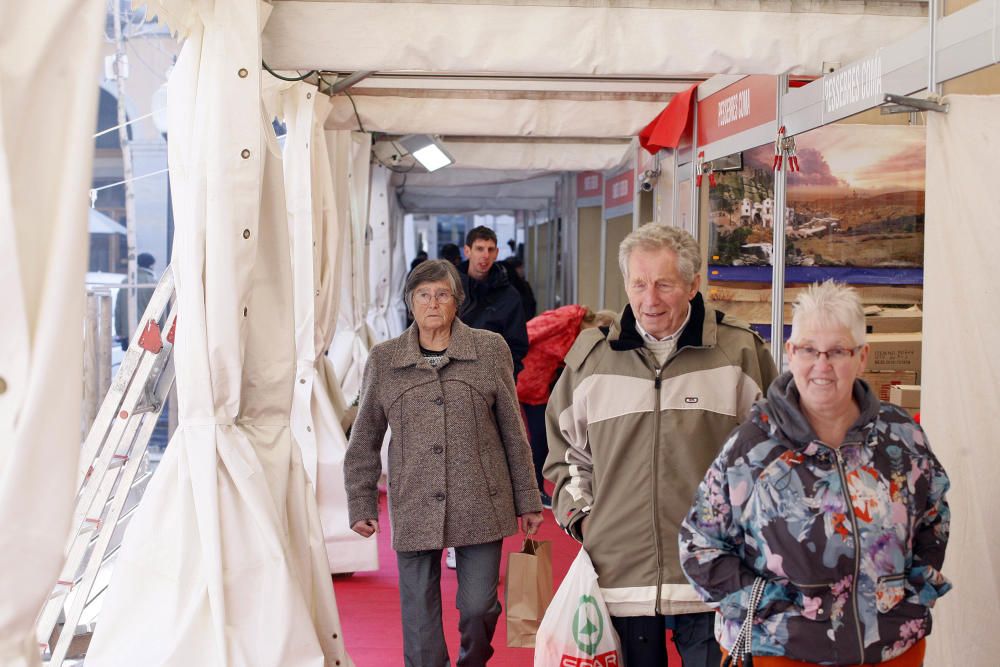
{"x": 245, "y": 153}
{"x": 246, "y": 233}
{"x": 245, "y": 311}
{"x": 309, "y": 96}
{"x": 243, "y": 72}
{"x": 334, "y": 635}
{"x": 302, "y": 380}
{"x": 309, "y": 429}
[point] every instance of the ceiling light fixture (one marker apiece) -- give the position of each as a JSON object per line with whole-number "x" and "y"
{"x": 427, "y": 150}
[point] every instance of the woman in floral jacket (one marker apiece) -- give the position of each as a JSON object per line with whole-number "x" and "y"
{"x": 830, "y": 496}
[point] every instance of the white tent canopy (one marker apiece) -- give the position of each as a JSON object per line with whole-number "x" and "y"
{"x": 473, "y": 114}
{"x": 531, "y": 194}
{"x": 579, "y": 38}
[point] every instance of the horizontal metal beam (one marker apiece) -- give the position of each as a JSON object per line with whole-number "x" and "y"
{"x": 903, "y": 104}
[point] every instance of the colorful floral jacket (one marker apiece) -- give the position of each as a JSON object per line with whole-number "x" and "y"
{"x": 850, "y": 541}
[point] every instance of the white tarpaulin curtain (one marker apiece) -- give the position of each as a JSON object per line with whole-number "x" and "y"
{"x": 318, "y": 405}
{"x": 223, "y": 561}
{"x": 387, "y": 270}
{"x": 350, "y": 153}
{"x": 961, "y": 372}
{"x": 393, "y": 114}
{"x": 45, "y": 159}
{"x": 602, "y": 40}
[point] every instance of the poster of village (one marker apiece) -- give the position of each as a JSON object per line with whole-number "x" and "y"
{"x": 857, "y": 201}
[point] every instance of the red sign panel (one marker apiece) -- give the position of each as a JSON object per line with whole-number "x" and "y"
{"x": 589, "y": 184}
{"x": 618, "y": 190}
{"x": 749, "y": 102}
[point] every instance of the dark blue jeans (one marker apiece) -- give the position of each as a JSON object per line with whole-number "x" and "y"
{"x": 644, "y": 640}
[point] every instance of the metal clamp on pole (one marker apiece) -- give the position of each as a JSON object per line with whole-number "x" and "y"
{"x": 903, "y": 104}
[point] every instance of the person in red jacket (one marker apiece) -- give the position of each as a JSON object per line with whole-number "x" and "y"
{"x": 550, "y": 336}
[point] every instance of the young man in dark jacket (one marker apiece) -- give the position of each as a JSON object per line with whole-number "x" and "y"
{"x": 491, "y": 302}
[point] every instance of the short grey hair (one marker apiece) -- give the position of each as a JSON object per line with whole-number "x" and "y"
{"x": 832, "y": 305}
{"x": 657, "y": 237}
{"x": 432, "y": 271}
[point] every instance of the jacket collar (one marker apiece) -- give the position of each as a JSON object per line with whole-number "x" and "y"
{"x": 781, "y": 414}
{"x": 699, "y": 332}
{"x": 495, "y": 278}
{"x": 461, "y": 347}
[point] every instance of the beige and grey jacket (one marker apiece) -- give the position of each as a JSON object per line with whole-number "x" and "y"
{"x": 629, "y": 442}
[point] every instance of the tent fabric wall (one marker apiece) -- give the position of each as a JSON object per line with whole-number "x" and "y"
{"x": 517, "y": 38}
{"x": 45, "y": 158}
{"x": 960, "y": 393}
{"x": 349, "y": 155}
{"x": 396, "y": 114}
{"x": 223, "y": 561}
{"x": 388, "y": 265}
{"x": 317, "y": 404}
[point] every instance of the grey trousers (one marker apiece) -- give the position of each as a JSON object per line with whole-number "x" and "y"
{"x": 478, "y": 606}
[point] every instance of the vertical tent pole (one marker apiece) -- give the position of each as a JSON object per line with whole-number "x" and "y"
{"x": 554, "y": 239}
{"x": 636, "y": 192}
{"x": 933, "y": 9}
{"x": 674, "y": 198}
{"x": 778, "y": 245}
{"x": 604, "y": 244}
{"x": 694, "y": 223}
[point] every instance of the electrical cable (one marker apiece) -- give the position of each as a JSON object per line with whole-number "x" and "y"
{"x": 356, "y": 114}
{"x": 302, "y": 77}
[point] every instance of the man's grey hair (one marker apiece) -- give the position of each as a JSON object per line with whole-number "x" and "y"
{"x": 657, "y": 237}
{"x": 432, "y": 271}
{"x": 830, "y": 305}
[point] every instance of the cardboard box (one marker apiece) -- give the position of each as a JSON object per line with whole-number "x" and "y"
{"x": 894, "y": 352}
{"x": 882, "y": 382}
{"x": 905, "y": 395}
{"x": 893, "y": 320}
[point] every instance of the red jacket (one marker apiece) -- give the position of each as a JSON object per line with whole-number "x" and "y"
{"x": 550, "y": 335}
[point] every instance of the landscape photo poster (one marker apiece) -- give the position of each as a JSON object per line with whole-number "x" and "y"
{"x": 854, "y": 211}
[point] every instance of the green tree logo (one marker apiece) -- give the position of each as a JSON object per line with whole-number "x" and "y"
{"x": 588, "y": 625}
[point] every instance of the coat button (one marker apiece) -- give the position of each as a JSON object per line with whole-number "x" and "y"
{"x": 438, "y": 449}
{"x": 438, "y": 401}
{"x": 439, "y": 496}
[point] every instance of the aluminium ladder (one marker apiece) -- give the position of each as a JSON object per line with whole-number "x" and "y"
{"x": 111, "y": 461}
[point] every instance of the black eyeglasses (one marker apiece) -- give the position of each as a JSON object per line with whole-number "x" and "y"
{"x": 834, "y": 354}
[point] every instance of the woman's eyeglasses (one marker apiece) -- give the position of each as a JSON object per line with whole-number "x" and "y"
{"x": 425, "y": 298}
{"x": 832, "y": 355}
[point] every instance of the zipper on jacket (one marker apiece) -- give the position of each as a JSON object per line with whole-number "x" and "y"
{"x": 857, "y": 555}
{"x": 657, "y": 383}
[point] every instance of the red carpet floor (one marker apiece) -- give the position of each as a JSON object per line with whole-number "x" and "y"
{"x": 369, "y": 604}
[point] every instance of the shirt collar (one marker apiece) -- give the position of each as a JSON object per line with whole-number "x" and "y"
{"x": 649, "y": 338}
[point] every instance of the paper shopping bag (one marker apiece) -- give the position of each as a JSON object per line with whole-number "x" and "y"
{"x": 527, "y": 591}
{"x": 576, "y": 630}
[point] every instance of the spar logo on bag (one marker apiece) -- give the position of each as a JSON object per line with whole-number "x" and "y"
{"x": 588, "y": 630}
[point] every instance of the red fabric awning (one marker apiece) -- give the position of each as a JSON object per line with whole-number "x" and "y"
{"x": 666, "y": 130}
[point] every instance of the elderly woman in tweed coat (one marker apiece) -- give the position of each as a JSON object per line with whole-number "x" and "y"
{"x": 460, "y": 468}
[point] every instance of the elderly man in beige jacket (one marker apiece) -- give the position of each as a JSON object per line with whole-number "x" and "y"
{"x": 460, "y": 469}
{"x": 634, "y": 422}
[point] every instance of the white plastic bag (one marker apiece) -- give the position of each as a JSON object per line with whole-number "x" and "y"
{"x": 576, "y": 630}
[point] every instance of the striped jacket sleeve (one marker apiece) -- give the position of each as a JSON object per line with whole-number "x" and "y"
{"x": 569, "y": 464}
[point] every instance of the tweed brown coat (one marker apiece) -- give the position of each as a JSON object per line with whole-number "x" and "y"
{"x": 460, "y": 469}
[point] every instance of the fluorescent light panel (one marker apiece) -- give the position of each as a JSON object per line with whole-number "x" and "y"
{"x": 426, "y": 150}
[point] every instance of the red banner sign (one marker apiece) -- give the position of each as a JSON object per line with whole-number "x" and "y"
{"x": 618, "y": 191}
{"x": 744, "y": 105}
{"x": 589, "y": 184}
